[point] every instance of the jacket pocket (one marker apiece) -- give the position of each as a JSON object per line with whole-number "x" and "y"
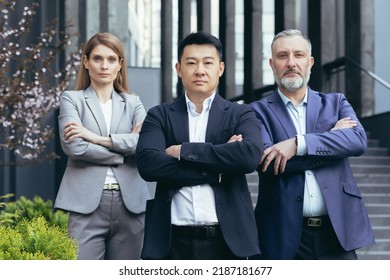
{"x": 351, "y": 189}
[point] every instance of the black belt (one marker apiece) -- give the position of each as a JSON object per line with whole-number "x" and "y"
{"x": 197, "y": 232}
{"x": 316, "y": 222}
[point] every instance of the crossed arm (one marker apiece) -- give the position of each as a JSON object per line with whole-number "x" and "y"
{"x": 280, "y": 153}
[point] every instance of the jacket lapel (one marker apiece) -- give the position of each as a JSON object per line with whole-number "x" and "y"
{"x": 281, "y": 114}
{"x": 94, "y": 106}
{"x": 178, "y": 119}
{"x": 216, "y": 120}
{"x": 118, "y": 105}
{"x": 312, "y": 110}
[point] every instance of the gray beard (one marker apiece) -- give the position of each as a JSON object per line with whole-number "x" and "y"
{"x": 293, "y": 84}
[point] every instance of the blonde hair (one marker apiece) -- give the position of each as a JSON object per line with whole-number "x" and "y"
{"x": 83, "y": 80}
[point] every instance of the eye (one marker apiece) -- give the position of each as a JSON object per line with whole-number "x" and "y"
{"x": 112, "y": 59}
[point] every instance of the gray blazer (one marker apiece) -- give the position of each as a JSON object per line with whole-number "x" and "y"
{"x": 82, "y": 184}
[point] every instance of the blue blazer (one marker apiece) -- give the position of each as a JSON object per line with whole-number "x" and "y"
{"x": 280, "y": 202}
{"x": 200, "y": 163}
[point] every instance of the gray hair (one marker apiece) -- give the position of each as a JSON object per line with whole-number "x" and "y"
{"x": 292, "y": 32}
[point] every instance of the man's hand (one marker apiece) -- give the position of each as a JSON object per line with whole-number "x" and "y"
{"x": 235, "y": 138}
{"x": 173, "y": 151}
{"x": 280, "y": 153}
{"x": 344, "y": 123}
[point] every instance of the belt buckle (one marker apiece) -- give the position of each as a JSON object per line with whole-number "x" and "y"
{"x": 314, "y": 222}
{"x": 111, "y": 186}
{"x": 202, "y": 232}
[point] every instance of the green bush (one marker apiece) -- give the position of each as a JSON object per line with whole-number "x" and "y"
{"x": 35, "y": 239}
{"x": 14, "y": 212}
{"x": 31, "y": 230}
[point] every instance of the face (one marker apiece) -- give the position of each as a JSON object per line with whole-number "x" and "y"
{"x": 103, "y": 65}
{"x": 291, "y": 63}
{"x": 200, "y": 69}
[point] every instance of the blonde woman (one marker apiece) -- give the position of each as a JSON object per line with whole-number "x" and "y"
{"x": 99, "y": 126}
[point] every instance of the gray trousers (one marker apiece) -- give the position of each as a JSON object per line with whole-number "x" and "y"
{"x": 111, "y": 232}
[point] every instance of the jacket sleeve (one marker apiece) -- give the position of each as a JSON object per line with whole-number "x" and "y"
{"x": 79, "y": 149}
{"x": 324, "y": 146}
{"x": 126, "y": 143}
{"x": 199, "y": 163}
{"x": 154, "y": 165}
{"x": 340, "y": 143}
{"x": 229, "y": 158}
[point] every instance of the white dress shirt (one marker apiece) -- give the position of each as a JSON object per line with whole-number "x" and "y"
{"x": 107, "y": 112}
{"x": 313, "y": 203}
{"x": 195, "y": 205}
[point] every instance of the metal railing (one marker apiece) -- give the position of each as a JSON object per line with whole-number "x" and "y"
{"x": 335, "y": 66}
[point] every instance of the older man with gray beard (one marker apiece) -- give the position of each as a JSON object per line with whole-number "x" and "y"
{"x": 309, "y": 206}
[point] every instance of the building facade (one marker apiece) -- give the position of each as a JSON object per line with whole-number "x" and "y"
{"x": 347, "y": 37}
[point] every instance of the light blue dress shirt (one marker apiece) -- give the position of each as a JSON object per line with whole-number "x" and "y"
{"x": 313, "y": 203}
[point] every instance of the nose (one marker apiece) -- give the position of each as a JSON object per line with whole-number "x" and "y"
{"x": 200, "y": 69}
{"x": 291, "y": 61}
{"x": 104, "y": 64}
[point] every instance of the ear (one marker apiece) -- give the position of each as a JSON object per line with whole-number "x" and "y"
{"x": 311, "y": 61}
{"x": 121, "y": 64}
{"x": 221, "y": 68}
{"x": 178, "y": 69}
{"x": 85, "y": 62}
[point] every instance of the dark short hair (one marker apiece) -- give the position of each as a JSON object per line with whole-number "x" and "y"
{"x": 199, "y": 38}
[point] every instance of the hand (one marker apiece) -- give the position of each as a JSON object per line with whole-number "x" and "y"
{"x": 75, "y": 130}
{"x": 344, "y": 123}
{"x": 280, "y": 153}
{"x": 173, "y": 151}
{"x": 137, "y": 128}
{"x": 235, "y": 138}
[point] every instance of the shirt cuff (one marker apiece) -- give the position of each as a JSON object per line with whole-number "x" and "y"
{"x": 301, "y": 145}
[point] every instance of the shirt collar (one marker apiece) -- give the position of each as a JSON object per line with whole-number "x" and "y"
{"x": 286, "y": 100}
{"x": 206, "y": 103}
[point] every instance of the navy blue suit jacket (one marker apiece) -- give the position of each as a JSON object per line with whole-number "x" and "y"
{"x": 200, "y": 163}
{"x": 280, "y": 203}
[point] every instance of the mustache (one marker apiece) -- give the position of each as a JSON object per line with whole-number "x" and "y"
{"x": 289, "y": 71}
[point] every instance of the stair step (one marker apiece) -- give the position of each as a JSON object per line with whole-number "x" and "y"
{"x": 378, "y": 251}
{"x": 376, "y": 197}
{"x": 372, "y": 142}
{"x": 376, "y": 151}
{"x": 380, "y": 245}
{"x": 370, "y": 160}
{"x": 381, "y": 232}
{"x": 371, "y": 168}
{"x": 379, "y": 219}
{"x": 378, "y": 208}
{"x": 363, "y": 178}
